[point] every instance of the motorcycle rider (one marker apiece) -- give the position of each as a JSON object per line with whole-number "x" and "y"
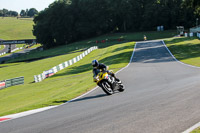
{"x": 97, "y": 67}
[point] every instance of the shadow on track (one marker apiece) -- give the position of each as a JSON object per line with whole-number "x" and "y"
{"x": 82, "y": 99}
{"x": 90, "y": 97}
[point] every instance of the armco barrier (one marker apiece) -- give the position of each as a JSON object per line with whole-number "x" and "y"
{"x": 2, "y": 84}
{"x": 2, "y": 53}
{"x": 11, "y": 82}
{"x": 52, "y": 71}
{"x": 192, "y": 34}
{"x": 14, "y": 81}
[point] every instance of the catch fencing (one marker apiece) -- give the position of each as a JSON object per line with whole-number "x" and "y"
{"x": 52, "y": 71}
{"x": 11, "y": 82}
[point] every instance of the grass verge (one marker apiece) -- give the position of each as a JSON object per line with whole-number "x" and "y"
{"x": 196, "y": 130}
{"x": 110, "y": 40}
{"x": 12, "y": 28}
{"x": 185, "y": 49}
{"x": 65, "y": 85}
{"x": 2, "y": 47}
{"x": 70, "y": 82}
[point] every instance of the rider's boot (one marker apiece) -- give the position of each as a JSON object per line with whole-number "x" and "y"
{"x": 119, "y": 81}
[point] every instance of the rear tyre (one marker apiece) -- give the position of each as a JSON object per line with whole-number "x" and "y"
{"x": 107, "y": 88}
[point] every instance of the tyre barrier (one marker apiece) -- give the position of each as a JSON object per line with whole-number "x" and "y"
{"x": 198, "y": 35}
{"x": 2, "y": 53}
{"x": 52, "y": 71}
{"x": 192, "y": 34}
{"x": 11, "y": 82}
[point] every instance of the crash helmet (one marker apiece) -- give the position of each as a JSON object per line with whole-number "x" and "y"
{"x": 95, "y": 63}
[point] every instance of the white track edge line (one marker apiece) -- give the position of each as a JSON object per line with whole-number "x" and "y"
{"x": 198, "y": 124}
{"x": 130, "y": 59}
{"x": 116, "y": 73}
{"x": 192, "y": 128}
{"x": 30, "y": 112}
{"x": 175, "y": 57}
{"x": 26, "y": 113}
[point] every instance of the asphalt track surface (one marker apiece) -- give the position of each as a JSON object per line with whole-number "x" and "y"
{"x": 161, "y": 96}
{"x": 6, "y": 48}
{"x": 14, "y": 55}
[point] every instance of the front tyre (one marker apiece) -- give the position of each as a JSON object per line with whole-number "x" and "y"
{"x": 107, "y": 88}
{"x": 121, "y": 88}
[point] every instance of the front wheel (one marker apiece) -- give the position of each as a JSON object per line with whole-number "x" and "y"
{"x": 107, "y": 88}
{"x": 121, "y": 87}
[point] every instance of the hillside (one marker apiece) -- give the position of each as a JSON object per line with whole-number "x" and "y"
{"x": 114, "y": 50}
{"x": 12, "y": 28}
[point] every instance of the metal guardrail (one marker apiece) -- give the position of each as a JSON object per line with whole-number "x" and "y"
{"x": 11, "y": 82}
{"x": 52, "y": 71}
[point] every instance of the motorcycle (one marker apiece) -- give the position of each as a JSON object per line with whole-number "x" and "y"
{"x": 108, "y": 83}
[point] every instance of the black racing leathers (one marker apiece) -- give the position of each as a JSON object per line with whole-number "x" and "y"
{"x": 100, "y": 67}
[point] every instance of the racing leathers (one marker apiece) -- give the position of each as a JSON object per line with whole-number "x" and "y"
{"x": 102, "y": 67}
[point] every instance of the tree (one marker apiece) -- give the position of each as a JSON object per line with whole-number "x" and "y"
{"x": 1, "y": 12}
{"x": 50, "y": 25}
{"x": 23, "y": 13}
{"x": 13, "y": 13}
{"x": 26, "y": 12}
{"x": 32, "y": 12}
{"x": 5, "y": 12}
{"x": 66, "y": 21}
{"x": 190, "y": 12}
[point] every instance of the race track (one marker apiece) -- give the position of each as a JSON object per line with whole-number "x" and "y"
{"x": 6, "y": 48}
{"x": 161, "y": 96}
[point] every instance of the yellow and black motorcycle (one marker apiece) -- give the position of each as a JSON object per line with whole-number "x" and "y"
{"x": 108, "y": 83}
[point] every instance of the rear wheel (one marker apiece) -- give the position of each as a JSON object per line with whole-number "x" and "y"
{"x": 107, "y": 88}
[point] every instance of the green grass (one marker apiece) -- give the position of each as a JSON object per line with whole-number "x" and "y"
{"x": 196, "y": 130}
{"x": 1, "y": 47}
{"x": 70, "y": 82}
{"x": 185, "y": 49}
{"x": 65, "y": 85}
{"x": 139, "y": 36}
{"x": 112, "y": 39}
{"x": 12, "y": 28}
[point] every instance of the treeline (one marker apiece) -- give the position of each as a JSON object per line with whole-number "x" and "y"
{"x": 28, "y": 13}
{"x": 7, "y": 13}
{"x": 66, "y": 21}
{"x": 24, "y": 13}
